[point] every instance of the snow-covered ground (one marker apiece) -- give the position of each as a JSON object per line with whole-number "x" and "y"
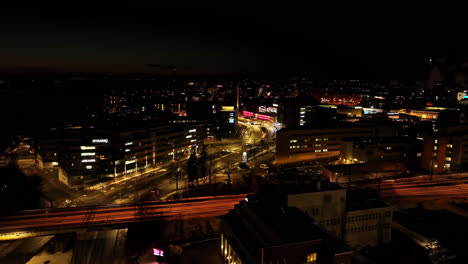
{"x": 57, "y": 258}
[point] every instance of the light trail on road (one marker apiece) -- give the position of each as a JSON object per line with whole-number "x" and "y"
{"x": 77, "y": 217}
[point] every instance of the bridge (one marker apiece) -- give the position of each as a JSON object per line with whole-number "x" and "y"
{"x": 42, "y": 222}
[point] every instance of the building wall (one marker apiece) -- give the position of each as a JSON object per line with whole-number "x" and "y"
{"x": 368, "y": 227}
{"x": 358, "y": 228}
{"x": 438, "y": 152}
{"x": 324, "y": 206}
{"x": 62, "y": 175}
{"x": 312, "y": 144}
{"x": 292, "y": 253}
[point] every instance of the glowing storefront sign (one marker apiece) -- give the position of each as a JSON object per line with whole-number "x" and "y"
{"x": 192, "y": 130}
{"x": 263, "y": 117}
{"x": 88, "y": 154}
{"x": 158, "y": 252}
{"x": 88, "y": 160}
{"x": 87, "y": 147}
{"x": 100, "y": 140}
{"x": 129, "y": 161}
{"x": 247, "y": 113}
{"x": 231, "y": 120}
{"x": 227, "y": 108}
{"x": 128, "y": 143}
{"x": 265, "y": 109}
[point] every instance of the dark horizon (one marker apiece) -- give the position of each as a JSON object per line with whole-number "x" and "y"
{"x": 227, "y": 40}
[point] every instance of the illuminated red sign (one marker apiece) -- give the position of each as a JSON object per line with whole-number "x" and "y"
{"x": 247, "y": 113}
{"x": 158, "y": 252}
{"x": 263, "y": 117}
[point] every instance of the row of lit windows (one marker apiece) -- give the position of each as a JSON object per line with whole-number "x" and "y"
{"x": 367, "y": 228}
{"x": 366, "y": 217}
{"x": 306, "y": 146}
{"x": 354, "y": 218}
{"x": 306, "y": 140}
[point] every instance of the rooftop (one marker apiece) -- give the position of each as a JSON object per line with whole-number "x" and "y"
{"x": 363, "y": 199}
{"x": 275, "y": 226}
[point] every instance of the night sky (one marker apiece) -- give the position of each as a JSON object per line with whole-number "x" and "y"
{"x": 323, "y": 42}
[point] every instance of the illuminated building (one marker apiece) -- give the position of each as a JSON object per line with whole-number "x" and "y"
{"x": 354, "y": 216}
{"x": 226, "y": 120}
{"x": 266, "y": 230}
{"x": 321, "y": 141}
{"x": 399, "y": 149}
{"x": 88, "y": 154}
{"x": 446, "y": 149}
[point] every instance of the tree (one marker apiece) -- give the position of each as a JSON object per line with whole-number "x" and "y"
{"x": 192, "y": 172}
{"x": 202, "y": 161}
{"x": 228, "y": 166}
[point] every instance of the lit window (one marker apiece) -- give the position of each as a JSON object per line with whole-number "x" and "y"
{"x": 448, "y": 158}
{"x": 435, "y": 147}
{"x": 388, "y": 148}
{"x": 293, "y": 141}
{"x": 55, "y": 154}
{"x": 312, "y": 258}
{"x": 325, "y": 150}
{"x": 449, "y": 146}
{"x": 435, "y": 141}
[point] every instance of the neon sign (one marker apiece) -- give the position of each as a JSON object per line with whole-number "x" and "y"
{"x": 158, "y": 252}
{"x": 265, "y": 109}
{"x": 263, "y": 117}
{"x": 247, "y": 113}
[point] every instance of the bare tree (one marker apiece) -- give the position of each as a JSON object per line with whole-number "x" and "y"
{"x": 228, "y": 166}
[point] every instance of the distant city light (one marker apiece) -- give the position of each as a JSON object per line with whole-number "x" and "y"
{"x": 192, "y": 130}
{"x": 88, "y": 154}
{"x": 128, "y": 143}
{"x": 88, "y": 160}
{"x": 101, "y": 140}
{"x": 87, "y": 147}
{"x": 129, "y": 161}
{"x": 89, "y": 167}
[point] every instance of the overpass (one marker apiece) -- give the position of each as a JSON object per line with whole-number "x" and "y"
{"x": 43, "y": 222}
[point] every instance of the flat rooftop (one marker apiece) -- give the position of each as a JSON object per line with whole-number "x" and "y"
{"x": 277, "y": 227}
